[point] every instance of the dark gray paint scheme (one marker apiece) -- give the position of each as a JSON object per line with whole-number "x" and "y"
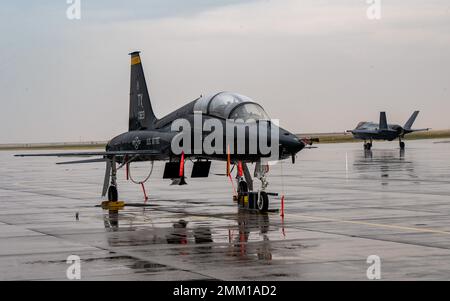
{"x": 369, "y": 131}
{"x": 149, "y": 127}
{"x": 144, "y": 126}
{"x": 149, "y": 138}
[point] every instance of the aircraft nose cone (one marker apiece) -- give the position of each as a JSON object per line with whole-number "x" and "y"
{"x": 290, "y": 144}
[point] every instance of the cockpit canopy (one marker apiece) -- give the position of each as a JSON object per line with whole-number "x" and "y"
{"x": 228, "y": 105}
{"x": 364, "y": 125}
{"x": 361, "y": 125}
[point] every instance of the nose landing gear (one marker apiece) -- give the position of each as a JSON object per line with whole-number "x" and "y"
{"x": 254, "y": 200}
{"x": 368, "y": 145}
{"x": 263, "y": 201}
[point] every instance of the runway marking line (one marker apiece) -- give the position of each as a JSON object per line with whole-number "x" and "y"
{"x": 319, "y": 218}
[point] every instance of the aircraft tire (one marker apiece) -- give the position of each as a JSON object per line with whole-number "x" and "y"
{"x": 263, "y": 202}
{"x": 113, "y": 195}
{"x": 243, "y": 187}
{"x": 402, "y": 145}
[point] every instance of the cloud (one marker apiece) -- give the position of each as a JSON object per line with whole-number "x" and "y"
{"x": 299, "y": 18}
{"x": 315, "y": 65}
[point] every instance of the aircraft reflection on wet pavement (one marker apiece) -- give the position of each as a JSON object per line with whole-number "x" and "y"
{"x": 249, "y": 223}
{"x": 387, "y": 162}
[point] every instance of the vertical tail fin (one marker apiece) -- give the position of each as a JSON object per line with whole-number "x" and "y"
{"x": 411, "y": 120}
{"x": 383, "y": 121}
{"x": 141, "y": 113}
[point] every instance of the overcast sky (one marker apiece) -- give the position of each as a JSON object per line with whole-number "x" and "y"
{"x": 318, "y": 66}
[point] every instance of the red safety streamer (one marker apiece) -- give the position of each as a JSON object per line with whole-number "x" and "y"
{"x": 145, "y": 194}
{"x": 229, "y": 170}
{"x": 127, "y": 171}
{"x": 232, "y": 184}
{"x": 182, "y": 165}
{"x": 240, "y": 169}
{"x": 282, "y": 216}
{"x": 228, "y": 160}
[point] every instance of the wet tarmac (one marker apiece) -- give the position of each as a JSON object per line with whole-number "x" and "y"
{"x": 342, "y": 205}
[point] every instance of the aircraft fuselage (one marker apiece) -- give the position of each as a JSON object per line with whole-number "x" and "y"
{"x": 161, "y": 138}
{"x": 372, "y": 131}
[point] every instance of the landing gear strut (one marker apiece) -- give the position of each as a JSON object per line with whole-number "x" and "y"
{"x": 402, "y": 144}
{"x": 242, "y": 187}
{"x": 113, "y": 195}
{"x": 263, "y": 200}
{"x": 249, "y": 199}
{"x": 260, "y": 173}
{"x": 368, "y": 145}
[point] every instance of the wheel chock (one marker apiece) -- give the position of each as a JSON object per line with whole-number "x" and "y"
{"x": 109, "y": 205}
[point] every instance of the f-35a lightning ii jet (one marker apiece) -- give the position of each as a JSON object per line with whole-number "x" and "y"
{"x": 369, "y": 131}
{"x": 150, "y": 139}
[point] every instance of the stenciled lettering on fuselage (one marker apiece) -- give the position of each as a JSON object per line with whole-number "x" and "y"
{"x": 141, "y": 113}
{"x": 153, "y": 141}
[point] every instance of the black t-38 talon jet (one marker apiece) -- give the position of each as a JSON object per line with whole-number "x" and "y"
{"x": 369, "y": 131}
{"x": 150, "y": 139}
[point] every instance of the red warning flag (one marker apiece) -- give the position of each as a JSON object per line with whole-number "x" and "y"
{"x": 182, "y": 164}
{"x": 145, "y": 193}
{"x": 240, "y": 169}
{"x": 228, "y": 160}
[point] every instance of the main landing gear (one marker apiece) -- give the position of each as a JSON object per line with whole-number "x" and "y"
{"x": 368, "y": 145}
{"x": 113, "y": 195}
{"x": 401, "y": 143}
{"x": 260, "y": 173}
{"x": 110, "y": 188}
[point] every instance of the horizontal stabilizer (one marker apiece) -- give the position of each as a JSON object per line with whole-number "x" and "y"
{"x": 83, "y": 161}
{"x": 92, "y": 154}
{"x": 418, "y": 130}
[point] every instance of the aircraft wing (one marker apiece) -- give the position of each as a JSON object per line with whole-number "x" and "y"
{"x": 370, "y": 131}
{"x": 418, "y": 130}
{"x": 92, "y": 154}
{"x": 363, "y": 131}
